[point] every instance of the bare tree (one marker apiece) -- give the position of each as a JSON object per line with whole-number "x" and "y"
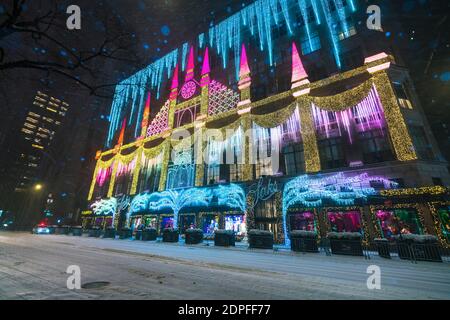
{"x": 76, "y": 55}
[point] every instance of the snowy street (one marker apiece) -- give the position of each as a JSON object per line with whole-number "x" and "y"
{"x": 34, "y": 267}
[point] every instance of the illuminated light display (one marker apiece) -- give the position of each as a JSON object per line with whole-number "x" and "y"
{"x": 122, "y": 133}
{"x": 160, "y": 122}
{"x": 310, "y": 191}
{"x": 365, "y": 116}
{"x": 174, "y": 86}
{"x": 145, "y": 117}
{"x": 105, "y": 207}
{"x": 177, "y": 200}
{"x": 307, "y": 119}
{"x": 190, "y": 66}
{"x": 206, "y": 69}
{"x": 221, "y": 98}
{"x": 375, "y": 57}
{"x": 258, "y": 17}
{"x": 244, "y": 70}
{"x": 188, "y": 90}
{"x": 298, "y": 71}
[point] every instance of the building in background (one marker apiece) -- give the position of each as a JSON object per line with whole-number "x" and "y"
{"x": 42, "y": 121}
{"x": 329, "y": 98}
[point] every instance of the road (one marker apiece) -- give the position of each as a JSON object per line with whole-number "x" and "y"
{"x": 34, "y": 267}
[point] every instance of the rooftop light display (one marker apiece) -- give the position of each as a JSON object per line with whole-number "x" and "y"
{"x": 258, "y": 18}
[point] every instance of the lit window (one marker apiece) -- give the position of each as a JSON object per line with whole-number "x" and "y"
{"x": 402, "y": 95}
{"x": 29, "y": 125}
{"x": 34, "y": 115}
{"x": 351, "y": 31}
{"x": 32, "y": 120}
{"x": 27, "y": 131}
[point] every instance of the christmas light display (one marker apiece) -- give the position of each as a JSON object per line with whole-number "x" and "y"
{"x": 104, "y": 207}
{"x": 231, "y": 196}
{"x": 177, "y": 200}
{"x": 310, "y": 192}
{"x": 258, "y": 17}
{"x": 365, "y": 116}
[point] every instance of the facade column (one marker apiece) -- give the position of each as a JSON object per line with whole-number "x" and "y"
{"x": 401, "y": 140}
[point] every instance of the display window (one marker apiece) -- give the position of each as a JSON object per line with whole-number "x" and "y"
{"x": 166, "y": 222}
{"x": 302, "y": 221}
{"x": 210, "y": 223}
{"x": 135, "y": 223}
{"x": 151, "y": 222}
{"x": 187, "y": 221}
{"x": 345, "y": 221}
{"x": 108, "y": 222}
{"x": 98, "y": 221}
{"x": 398, "y": 221}
{"x": 87, "y": 222}
{"x": 236, "y": 222}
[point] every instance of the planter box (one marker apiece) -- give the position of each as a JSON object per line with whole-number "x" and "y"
{"x": 138, "y": 235}
{"x": 95, "y": 232}
{"x": 346, "y": 243}
{"x": 62, "y": 230}
{"x": 77, "y": 231}
{"x": 383, "y": 248}
{"x": 149, "y": 234}
{"x": 258, "y": 239}
{"x": 224, "y": 238}
{"x": 304, "y": 241}
{"x": 421, "y": 248}
{"x": 170, "y": 235}
{"x": 110, "y": 233}
{"x": 125, "y": 233}
{"x": 194, "y": 236}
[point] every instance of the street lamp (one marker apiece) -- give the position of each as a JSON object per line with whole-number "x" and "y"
{"x": 38, "y": 187}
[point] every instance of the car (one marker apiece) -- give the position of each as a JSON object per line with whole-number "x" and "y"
{"x": 43, "y": 228}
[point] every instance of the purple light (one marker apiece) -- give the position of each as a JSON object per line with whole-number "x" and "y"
{"x": 365, "y": 116}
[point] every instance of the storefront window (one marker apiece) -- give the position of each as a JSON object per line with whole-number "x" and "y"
{"x": 345, "y": 221}
{"x": 302, "y": 221}
{"x": 210, "y": 223}
{"x": 444, "y": 218}
{"x": 394, "y": 222}
{"x": 151, "y": 222}
{"x": 108, "y": 222}
{"x": 187, "y": 221}
{"x": 166, "y": 222}
{"x": 135, "y": 223}
{"x": 236, "y": 223}
{"x": 98, "y": 222}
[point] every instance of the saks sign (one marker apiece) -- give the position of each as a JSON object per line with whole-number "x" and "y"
{"x": 263, "y": 190}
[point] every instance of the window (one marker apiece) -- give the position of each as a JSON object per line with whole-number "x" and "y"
{"x": 310, "y": 44}
{"x": 331, "y": 153}
{"x": 213, "y": 174}
{"x": 437, "y": 181}
{"x": 398, "y": 221}
{"x": 294, "y": 159}
{"x": 345, "y": 221}
{"x": 421, "y": 144}
{"x": 375, "y": 146}
{"x": 402, "y": 95}
{"x": 302, "y": 221}
{"x": 400, "y": 182}
{"x": 352, "y": 59}
{"x": 344, "y": 34}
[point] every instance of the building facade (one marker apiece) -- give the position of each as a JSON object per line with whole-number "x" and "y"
{"x": 274, "y": 120}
